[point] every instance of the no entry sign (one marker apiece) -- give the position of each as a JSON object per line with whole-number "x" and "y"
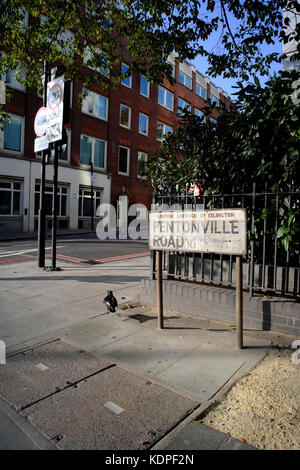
{"x": 41, "y": 121}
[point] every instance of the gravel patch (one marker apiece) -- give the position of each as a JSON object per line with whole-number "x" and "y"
{"x": 263, "y": 408}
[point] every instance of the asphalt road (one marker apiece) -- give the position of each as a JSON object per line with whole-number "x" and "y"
{"x": 76, "y": 249}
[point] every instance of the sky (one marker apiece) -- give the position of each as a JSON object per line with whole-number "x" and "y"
{"x": 213, "y": 44}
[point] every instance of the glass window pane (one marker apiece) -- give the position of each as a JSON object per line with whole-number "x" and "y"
{"x": 63, "y": 210}
{"x": 169, "y": 100}
{"x": 5, "y": 185}
{"x": 168, "y": 129}
{"x": 124, "y": 115}
{"x": 143, "y": 124}
{"x": 16, "y": 203}
{"x": 101, "y": 106}
{"x": 203, "y": 94}
{"x": 36, "y": 203}
{"x": 125, "y": 81}
{"x": 80, "y": 207}
{"x": 161, "y": 95}
{"x": 160, "y": 130}
{"x": 85, "y": 150}
{"x": 48, "y": 204}
{"x": 188, "y": 82}
{"x": 17, "y": 186}
{"x": 5, "y": 203}
{"x": 99, "y": 154}
{"x": 12, "y": 134}
{"x": 144, "y": 86}
{"x": 123, "y": 160}
{"x": 181, "y": 77}
{"x": 87, "y": 207}
{"x": 88, "y": 103}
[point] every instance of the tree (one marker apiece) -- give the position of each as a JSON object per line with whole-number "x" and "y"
{"x": 65, "y": 30}
{"x": 258, "y": 142}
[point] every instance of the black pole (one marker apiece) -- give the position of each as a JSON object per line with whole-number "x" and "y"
{"x": 54, "y": 205}
{"x": 41, "y": 215}
{"x": 92, "y": 197}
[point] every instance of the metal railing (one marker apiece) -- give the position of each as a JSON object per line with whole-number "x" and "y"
{"x": 268, "y": 266}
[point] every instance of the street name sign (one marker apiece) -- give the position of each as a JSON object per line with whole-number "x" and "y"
{"x": 205, "y": 231}
{"x": 41, "y": 143}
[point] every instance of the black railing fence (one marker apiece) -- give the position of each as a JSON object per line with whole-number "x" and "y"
{"x": 272, "y": 263}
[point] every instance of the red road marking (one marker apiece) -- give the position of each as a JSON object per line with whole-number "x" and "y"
{"x": 68, "y": 258}
{"x": 116, "y": 258}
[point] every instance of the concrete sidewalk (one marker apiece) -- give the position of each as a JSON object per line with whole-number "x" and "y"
{"x": 73, "y": 370}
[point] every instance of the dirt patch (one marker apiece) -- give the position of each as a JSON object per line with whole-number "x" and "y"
{"x": 263, "y": 408}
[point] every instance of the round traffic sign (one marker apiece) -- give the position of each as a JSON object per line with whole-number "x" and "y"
{"x": 41, "y": 121}
{"x": 54, "y": 96}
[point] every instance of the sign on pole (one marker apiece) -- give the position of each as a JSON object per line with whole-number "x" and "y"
{"x": 208, "y": 231}
{"x": 55, "y": 106}
{"x": 41, "y": 143}
{"x": 221, "y": 231}
{"x": 41, "y": 121}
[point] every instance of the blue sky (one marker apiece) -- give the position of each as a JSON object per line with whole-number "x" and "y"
{"x": 213, "y": 44}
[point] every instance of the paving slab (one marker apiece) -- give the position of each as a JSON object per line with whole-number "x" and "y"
{"x": 114, "y": 409}
{"x": 197, "y": 436}
{"x": 39, "y": 372}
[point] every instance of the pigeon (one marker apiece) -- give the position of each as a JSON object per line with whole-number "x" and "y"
{"x": 110, "y": 301}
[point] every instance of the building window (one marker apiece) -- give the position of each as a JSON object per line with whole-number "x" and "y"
{"x": 85, "y": 201}
{"x": 214, "y": 100}
{"x": 185, "y": 80}
{"x": 165, "y": 98}
{"x": 200, "y": 91}
{"x": 143, "y": 124}
{"x": 10, "y": 198}
{"x": 124, "y": 156}
{"x": 144, "y": 86}
{"x": 12, "y": 137}
{"x": 92, "y": 57}
{"x": 125, "y": 116}
{"x": 92, "y": 150}
{"x": 66, "y": 153}
{"x": 213, "y": 121}
{"x": 62, "y": 200}
{"x": 142, "y": 159}
{"x": 162, "y": 129}
{"x": 126, "y": 80}
{"x": 10, "y": 77}
{"x": 172, "y": 69}
{"x": 95, "y": 105}
{"x": 199, "y": 113}
{"x": 182, "y": 104}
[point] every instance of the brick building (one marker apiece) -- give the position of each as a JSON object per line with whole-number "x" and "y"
{"x": 115, "y": 130}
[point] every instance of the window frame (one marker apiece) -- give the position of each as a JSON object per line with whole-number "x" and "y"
{"x": 140, "y": 177}
{"x": 128, "y": 78}
{"x": 94, "y": 139}
{"x": 95, "y": 97}
{"x": 95, "y": 198}
{"x": 147, "y": 95}
{"x": 180, "y": 108}
{"x": 185, "y": 79}
{"x": 12, "y": 191}
{"x": 201, "y": 89}
{"x": 165, "y": 91}
{"x": 129, "y": 116}
{"x": 128, "y": 160}
{"x": 147, "y": 124}
{"x": 164, "y": 133}
{"x": 2, "y": 134}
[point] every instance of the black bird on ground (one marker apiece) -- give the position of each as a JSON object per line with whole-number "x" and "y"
{"x": 110, "y": 301}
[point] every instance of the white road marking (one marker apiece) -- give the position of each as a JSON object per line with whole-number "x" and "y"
{"x": 13, "y": 253}
{"x": 113, "y": 407}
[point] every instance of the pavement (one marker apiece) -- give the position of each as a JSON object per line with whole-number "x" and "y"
{"x": 77, "y": 377}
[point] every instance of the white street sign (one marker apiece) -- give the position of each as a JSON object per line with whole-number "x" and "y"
{"x": 41, "y": 143}
{"x": 210, "y": 231}
{"x": 55, "y": 106}
{"x": 41, "y": 121}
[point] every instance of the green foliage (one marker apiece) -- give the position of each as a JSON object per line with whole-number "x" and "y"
{"x": 259, "y": 142}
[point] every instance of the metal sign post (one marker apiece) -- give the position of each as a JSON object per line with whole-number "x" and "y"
{"x": 160, "y": 311}
{"x": 239, "y": 301}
